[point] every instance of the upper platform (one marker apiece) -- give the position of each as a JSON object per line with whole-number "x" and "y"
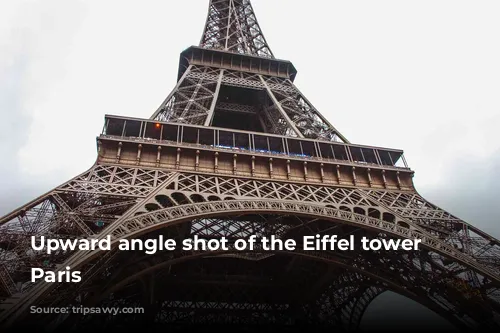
{"x": 195, "y": 55}
{"x": 250, "y": 155}
{"x": 157, "y": 132}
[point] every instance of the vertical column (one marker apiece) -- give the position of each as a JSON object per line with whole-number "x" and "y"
{"x": 119, "y": 152}
{"x": 235, "y": 167}
{"x": 210, "y": 115}
{"x": 161, "y": 109}
{"x": 271, "y": 167}
{"x": 178, "y": 158}
{"x": 278, "y": 106}
{"x": 158, "y": 156}
{"x": 139, "y": 151}
{"x": 100, "y": 150}
{"x": 197, "y": 162}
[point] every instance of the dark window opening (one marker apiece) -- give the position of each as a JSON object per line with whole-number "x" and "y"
{"x": 238, "y": 108}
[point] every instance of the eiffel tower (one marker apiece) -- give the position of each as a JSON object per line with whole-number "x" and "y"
{"x": 237, "y": 150}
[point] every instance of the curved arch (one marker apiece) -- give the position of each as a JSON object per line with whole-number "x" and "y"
{"x": 361, "y": 304}
{"x": 180, "y": 198}
{"x": 375, "y": 213}
{"x": 359, "y": 210}
{"x": 353, "y": 301}
{"x": 403, "y": 224}
{"x": 151, "y": 207}
{"x": 139, "y": 225}
{"x": 197, "y": 198}
{"x": 358, "y": 307}
{"x": 177, "y": 214}
{"x": 164, "y": 201}
{"x": 391, "y": 218}
{"x": 191, "y": 255}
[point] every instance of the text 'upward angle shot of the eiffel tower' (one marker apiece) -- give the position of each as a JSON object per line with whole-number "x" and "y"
{"x": 237, "y": 150}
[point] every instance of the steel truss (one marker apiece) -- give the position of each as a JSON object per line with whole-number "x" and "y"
{"x": 136, "y": 190}
{"x": 185, "y": 204}
{"x": 285, "y": 111}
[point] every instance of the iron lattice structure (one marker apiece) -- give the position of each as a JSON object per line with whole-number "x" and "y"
{"x": 236, "y": 150}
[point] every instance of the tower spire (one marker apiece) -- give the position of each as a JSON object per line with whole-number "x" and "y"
{"x": 237, "y": 151}
{"x": 232, "y": 26}
{"x": 232, "y": 80}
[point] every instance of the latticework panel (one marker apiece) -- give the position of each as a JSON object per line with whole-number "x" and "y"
{"x": 191, "y": 100}
{"x": 79, "y": 208}
{"x": 232, "y": 26}
{"x": 463, "y": 236}
{"x": 337, "y": 286}
{"x": 285, "y": 111}
{"x": 181, "y": 205}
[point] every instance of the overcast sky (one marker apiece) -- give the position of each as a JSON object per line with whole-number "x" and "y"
{"x": 423, "y": 76}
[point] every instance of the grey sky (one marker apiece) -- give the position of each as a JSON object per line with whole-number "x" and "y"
{"x": 423, "y": 76}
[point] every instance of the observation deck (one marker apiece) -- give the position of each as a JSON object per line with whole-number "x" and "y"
{"x": 187, "y": 147}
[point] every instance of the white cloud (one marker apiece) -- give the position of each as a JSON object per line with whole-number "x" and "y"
{"x": 423, "y": 76}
